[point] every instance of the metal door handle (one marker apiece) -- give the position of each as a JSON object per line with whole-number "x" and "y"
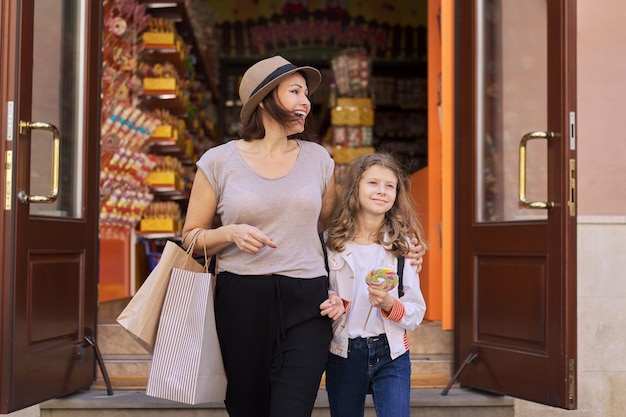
{"x": 522, "y": 171}
{"x": 22, "y": 195}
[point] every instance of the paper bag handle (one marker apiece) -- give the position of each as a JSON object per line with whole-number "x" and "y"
{"x": 189, "y": 250}
{"x": 208, "y": 266}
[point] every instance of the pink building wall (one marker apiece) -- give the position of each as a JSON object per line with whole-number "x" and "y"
{"x": 601, "y": 107}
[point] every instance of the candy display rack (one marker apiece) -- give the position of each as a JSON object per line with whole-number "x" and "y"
{"x": 378, "y": 110}
{"x": 400, "y": 122}
{"x": 352, "y": 113}
{"x": 158, "y": 115}
{"x": 178, "y": 85}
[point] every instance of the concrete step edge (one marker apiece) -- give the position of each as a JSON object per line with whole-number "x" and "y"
{"x": 97, "y": 399}
{"x": 139, "y": 382}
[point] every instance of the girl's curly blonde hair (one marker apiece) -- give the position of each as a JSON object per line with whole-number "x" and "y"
{"x": 401, "y": 221}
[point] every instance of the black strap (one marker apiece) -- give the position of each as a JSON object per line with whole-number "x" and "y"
{"x": 212, "y": 263}
{"x": 325, "y": 253}
{"x": 400, "y": 273}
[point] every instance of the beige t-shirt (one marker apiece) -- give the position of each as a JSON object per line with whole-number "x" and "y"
{"x": 286, "y": 209}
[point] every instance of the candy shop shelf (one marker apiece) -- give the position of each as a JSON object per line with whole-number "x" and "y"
{"x": 176, "y": 11}
{"x": 172, "y": 149}
{"x": 163, "y": 54}
{"x": 389, "y": 106}
{"x": 400, "y": 137}
{"x": 157, "y": 235}
{"x": 165, "y": 100}
{"x": 413, "y": 154}
{"x": 168, "y": 193}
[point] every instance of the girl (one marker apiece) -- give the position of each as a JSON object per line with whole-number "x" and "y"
{"x": 369, "y": 351}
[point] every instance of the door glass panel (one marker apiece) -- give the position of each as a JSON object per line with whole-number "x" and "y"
{"x": 57, "y": 97}
{"x": 512, "y": 101}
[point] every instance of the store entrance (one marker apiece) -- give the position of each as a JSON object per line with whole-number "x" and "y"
{"x": 50, "y": 188}
{"x": 51, "y": 213}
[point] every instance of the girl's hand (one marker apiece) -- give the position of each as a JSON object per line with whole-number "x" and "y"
{"x": 249, "y": 239}
{"x": 416, "y": 254}
{"x": 381, "y": 299}
{"x": 333, "y": 307}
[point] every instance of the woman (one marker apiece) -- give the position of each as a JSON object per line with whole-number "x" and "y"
{"x": 269, "y": 192}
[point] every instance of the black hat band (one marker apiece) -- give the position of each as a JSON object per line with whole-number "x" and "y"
{"x": 274, "y": 74}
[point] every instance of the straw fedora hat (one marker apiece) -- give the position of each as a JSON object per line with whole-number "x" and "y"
{"x": 266, "y": 74}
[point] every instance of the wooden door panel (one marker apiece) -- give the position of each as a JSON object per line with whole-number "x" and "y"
{"x": 54, "y": 297}
{"x": 54, "y": 312}
{"x": 504, "y": 287}
{"x": 44, "y": 374}
{"x": 522, "y": 370}
{"x": 516, "y": 271}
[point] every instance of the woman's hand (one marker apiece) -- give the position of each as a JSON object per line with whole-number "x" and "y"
{"x": 416, "y": 254}
{"x": 333, "y": 307}
{"x": 249, "y": 239}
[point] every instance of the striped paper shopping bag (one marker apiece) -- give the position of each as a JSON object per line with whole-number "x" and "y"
{"x": 187, "y": 362}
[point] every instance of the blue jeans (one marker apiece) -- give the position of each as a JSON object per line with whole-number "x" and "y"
{"x": 369, "y": 368}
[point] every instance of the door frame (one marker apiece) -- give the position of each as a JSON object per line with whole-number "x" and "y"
{"x": 8, "y": 27}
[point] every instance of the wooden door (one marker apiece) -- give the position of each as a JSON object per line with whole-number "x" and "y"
{"x": 50, "y": 96}
{"x": 516, "y": 210}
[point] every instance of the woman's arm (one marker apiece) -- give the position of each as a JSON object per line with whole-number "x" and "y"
{"x": 328, "y": 205}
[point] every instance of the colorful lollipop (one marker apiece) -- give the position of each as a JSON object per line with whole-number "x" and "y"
{"x": 383, "y": 279}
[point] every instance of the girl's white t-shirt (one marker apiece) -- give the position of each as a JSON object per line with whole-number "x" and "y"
{"x": 365, "y": 258}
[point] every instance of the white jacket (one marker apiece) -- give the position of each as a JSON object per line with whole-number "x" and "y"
{"x": 341, "y": 277}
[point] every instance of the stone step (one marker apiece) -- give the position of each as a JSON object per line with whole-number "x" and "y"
{"x": 128, "y": 364}
{"x": 109, "y": 310}
{"x": 130, "y": 372}
{"x": 424, "y": 403}
{"x": 138, "y": 365}
{"x": 428, "y": 338}
{"x": 113, "y": 339}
